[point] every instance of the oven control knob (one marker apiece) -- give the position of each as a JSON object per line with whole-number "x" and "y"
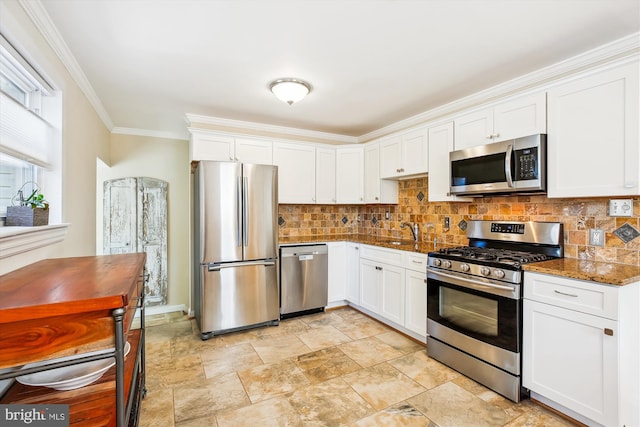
{"x": 465, "y": 267}
{"x": 485, "y": 271}
{"x": 437, "y": 262}
{"x": 446, "y": 263}
{"x": 498, "y": 273}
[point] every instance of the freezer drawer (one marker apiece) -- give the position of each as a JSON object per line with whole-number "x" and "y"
{"x": 237, "y": 295}
{"x": 303, "y": 278}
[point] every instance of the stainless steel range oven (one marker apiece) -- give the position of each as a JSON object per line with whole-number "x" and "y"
{"x": 474, "y": 299}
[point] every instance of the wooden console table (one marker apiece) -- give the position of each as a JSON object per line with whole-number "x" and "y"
{"x": 69, "y": 306}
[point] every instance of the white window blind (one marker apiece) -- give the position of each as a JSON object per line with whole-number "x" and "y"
{"x": 23, "y": 134}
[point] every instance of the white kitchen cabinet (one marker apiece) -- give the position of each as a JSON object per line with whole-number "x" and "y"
{"x": 257, "y": 151}
{"x": 382, "y": 283}
{"x": 593, "y": 147}
{"x": 440, "y": 139}
{"x": 377, "y": 190}
{"x": 325, "y": 175}
{"x": 404, "y": 155}
{"x": 580, "y": 348}
{"x": 353, "y": 273}
{"x": 296, "y": 172}
{"x": 350, "y": 175}
{"x": 337, "y": 274}
{"x": 510, "y": 119}
{"x": 415, "y": 311}
{"x": 211, "y": 146}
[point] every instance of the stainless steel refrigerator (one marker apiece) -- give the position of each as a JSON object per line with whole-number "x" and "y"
{"x": 236, "y": 246}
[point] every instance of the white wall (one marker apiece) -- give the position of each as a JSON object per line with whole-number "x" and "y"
{"x": 84, "y": 139}
{"x": 168, "y": 160}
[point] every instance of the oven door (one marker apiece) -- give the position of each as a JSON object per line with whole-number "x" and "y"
{"x": 483, "y": 311}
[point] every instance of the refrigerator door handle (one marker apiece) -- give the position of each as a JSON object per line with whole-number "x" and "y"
{"x": 245, "y": 188}
{"x": 239, "y": 211}
{"x": 218, "y": 267}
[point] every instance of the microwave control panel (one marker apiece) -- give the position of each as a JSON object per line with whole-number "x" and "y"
{"x": 526, "y": 164}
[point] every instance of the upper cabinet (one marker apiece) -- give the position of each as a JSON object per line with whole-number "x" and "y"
{"x": 296, "y": 172}
{"x": 350, "y": 175}
{"x": 511, "y": 119}
{"x": 404, "y": 155}
{"x": 592, "y": 146}
{"x": 211, "y": 146}
{"x": 440, "y": 144}
{"x": 325, "y": 175}
{"x": 377, "y": 190}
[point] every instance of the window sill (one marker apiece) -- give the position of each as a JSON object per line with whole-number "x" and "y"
{"x": 16, "y": 240}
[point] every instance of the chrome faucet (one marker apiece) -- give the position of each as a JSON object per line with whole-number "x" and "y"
{"x": 414, "y": 230}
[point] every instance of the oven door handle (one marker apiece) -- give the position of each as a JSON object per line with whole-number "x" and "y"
{"x": 474, "y": 283}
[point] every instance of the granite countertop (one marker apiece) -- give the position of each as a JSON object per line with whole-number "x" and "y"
{"x": 594, "y": 271}
{"x": 385, "y": 242}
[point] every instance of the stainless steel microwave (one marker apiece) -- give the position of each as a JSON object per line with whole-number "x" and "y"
{"x": 507, "y": 167}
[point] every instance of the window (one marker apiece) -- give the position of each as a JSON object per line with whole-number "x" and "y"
{"x": 27, "y": 138}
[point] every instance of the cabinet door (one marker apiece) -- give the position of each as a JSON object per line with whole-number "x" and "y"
{"x": 338, "y": 275}
{"x": 377, "y": 190}
{"x": 370, "y": 285}
{"x": 593, "y": 147}
{"x": 325, "y": 175}
{"x": 120, "y": 216}
{"x": 440, "y": 144}
{"x": 520, "y": 117}
{"x": 254, "y": 151}
{"x": 353, "y": 273}
{"x": 390, "y": 157}
{"x": 392, "y": 292}
{"x": 415, "y": 316}
{"x": 415, "y": 153}
{"x": 296, "y": 172}
{"x": 350, "y": 175}
{"x": 207, "y": 146}
{"x": 569, "y": 358}
{"x": 473, "y": 129}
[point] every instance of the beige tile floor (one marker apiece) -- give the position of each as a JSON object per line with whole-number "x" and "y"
{"x": 339, "y": 368}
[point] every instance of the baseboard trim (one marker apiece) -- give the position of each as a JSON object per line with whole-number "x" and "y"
{"x": 161, "y": 309}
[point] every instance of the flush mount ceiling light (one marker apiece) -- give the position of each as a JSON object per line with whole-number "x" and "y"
{"x": 290, "y": 90}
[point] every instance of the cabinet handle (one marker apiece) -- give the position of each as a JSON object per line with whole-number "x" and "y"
{"x": 356, "y": 248}
{"x": 378, "y": 268}
{"x": 376, "y": 197}
{"x": 425, "y": 280}
{"x": 401, "y": 169}
{"x": 565, "y": 294}
{"x": 398, "y": 170}
{"x": 230, "y": 158}
{"x": 495, "y": 135}
{"x": 488, "y": 136}
{"x": 608, "y": 331}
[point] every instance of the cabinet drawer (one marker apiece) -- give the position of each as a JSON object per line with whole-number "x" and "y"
{"x": 388, "y": 256}
{"x": 415, "y": 261}
{"x": 586, "y": 297}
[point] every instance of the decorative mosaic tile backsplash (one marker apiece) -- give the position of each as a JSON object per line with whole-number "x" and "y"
{"x": 577, "y": 215}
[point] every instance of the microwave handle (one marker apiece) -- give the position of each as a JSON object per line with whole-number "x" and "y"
{"x": 507, "y": 165}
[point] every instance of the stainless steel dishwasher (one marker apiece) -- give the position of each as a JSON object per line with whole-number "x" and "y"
{"x": 303, "y": 279}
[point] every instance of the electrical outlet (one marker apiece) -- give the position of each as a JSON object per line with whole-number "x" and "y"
{"x": 621, "y": 207}
{"x": 446, "y": 222}
{"x": 386, "y": 215}
{"x": 596, "y": 237}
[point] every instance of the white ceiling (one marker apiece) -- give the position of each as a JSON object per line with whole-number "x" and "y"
{"x": 371, "y": 62}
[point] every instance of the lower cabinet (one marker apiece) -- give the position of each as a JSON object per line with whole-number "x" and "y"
{"x": 415, "y": 310}
{"x": 337, "y": 277}
{"x": 353, "y": 273}
{"x": 580, "y": 348}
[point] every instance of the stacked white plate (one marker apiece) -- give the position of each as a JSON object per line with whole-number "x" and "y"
{"x": 73, "y": 376}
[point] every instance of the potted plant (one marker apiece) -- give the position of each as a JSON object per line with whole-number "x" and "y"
{"x": 34, "y": 210}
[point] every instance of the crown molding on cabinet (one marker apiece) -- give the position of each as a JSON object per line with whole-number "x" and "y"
{"x": 42, "y": 21}
{"x": 229, "y": 125}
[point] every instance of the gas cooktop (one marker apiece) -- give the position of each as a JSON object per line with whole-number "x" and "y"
{"x": 494, "y": 255}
